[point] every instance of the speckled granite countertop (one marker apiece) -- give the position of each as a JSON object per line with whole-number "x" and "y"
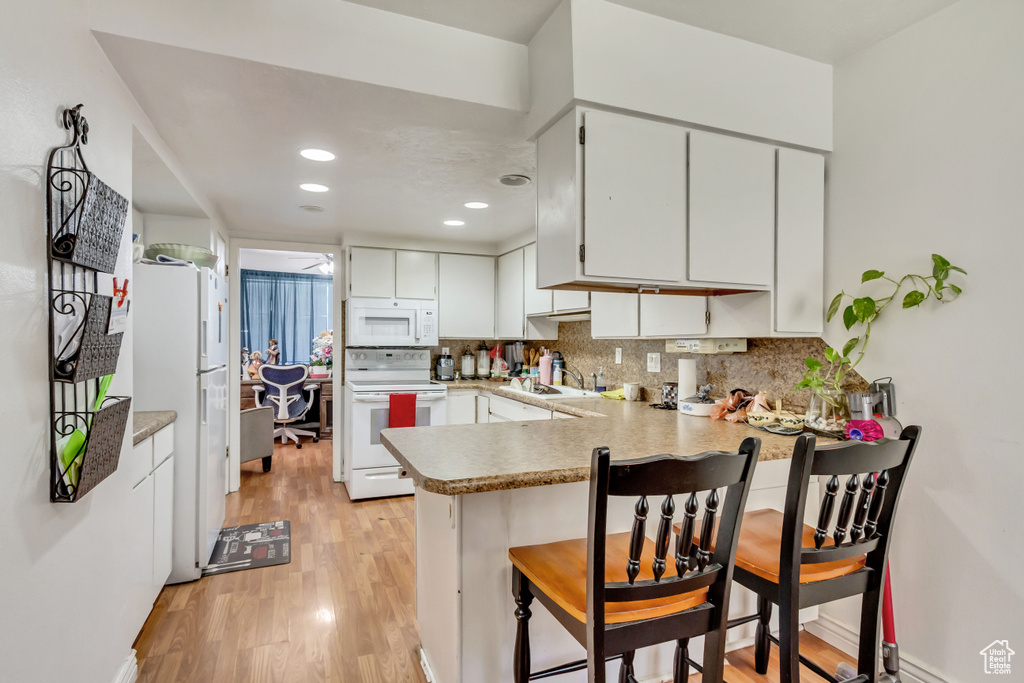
{"x": 147, "y": 423}
{"x": 458, "y": 459}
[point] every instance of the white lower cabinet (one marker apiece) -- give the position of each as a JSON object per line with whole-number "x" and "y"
{"x": 163, "y": 521}
{"x": 460, "y": 408}
{"x": 505, "y": 409}
{"x": 150, "y": 526}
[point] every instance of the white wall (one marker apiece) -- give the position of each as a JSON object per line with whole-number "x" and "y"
{"x": 65, "y": 572}
{"x": 929, "y": 157}
{"x": 198, "y": 232}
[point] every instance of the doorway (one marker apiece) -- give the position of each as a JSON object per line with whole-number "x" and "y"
{"x": 288, "y": 310}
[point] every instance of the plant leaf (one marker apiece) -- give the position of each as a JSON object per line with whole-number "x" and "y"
{"x": 940, "y": 261}
{"x": 833, "y": 307}
{"x": 913, "y": 298}
{"x": 871, "y": 275}
{"x": 956, "y": 290}
{"x": 849, "y": 346}
{"x": 959, "y": 270}
{"x": 864, "y": 308}
{"x": 849, "y": 317}
{"x": 831, "y": 355}
{"x": 812, "y": 364}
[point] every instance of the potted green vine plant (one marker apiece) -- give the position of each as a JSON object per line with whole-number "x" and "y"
{"x": 829, "y": 411}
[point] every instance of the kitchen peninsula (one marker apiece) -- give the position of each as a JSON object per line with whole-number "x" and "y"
{"x": 481, "y": 489}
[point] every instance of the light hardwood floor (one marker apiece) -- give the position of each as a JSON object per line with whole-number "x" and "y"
{"x": 343, "y": 610}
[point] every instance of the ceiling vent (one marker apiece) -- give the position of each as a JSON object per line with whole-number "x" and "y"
{"x": 514, "y": 180}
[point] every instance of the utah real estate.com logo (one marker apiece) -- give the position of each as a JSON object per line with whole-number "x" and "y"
{"x": 997, "y": 657}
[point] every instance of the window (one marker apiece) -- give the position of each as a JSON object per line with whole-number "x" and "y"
{"x": 288, "y": 307}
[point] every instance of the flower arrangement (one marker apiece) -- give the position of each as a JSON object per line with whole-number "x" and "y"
{"x": 323, "y": 349}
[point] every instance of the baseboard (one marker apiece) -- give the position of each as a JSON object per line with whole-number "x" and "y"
{"x": 129, "y": 671}
{"x": 842, "y": 637}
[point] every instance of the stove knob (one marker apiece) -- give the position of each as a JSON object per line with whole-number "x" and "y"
{"x": 408, "y": 356}
{"x": 423, "y": 356}
{"x": 362, "y": 356}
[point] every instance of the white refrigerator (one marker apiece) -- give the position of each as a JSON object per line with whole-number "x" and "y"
{"x": 180, "y": 357}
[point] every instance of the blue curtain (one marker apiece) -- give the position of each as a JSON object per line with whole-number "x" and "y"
{"x": 288, "y": 307}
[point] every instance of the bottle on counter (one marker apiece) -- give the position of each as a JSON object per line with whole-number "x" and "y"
{"x": 556, "y": 375}
{"x": 545, "y": 368}
{"x": 600, "y": 380}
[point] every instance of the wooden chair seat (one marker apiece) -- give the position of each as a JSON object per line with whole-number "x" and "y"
{"x": 760, "y": 544}
{"x": 560, "y": 571}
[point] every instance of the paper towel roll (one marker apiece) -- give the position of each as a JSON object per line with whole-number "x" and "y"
{"x": 687, "y": 378}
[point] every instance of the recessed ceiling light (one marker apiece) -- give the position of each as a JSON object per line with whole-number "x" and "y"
{"x": 313, "y": 208}
{"x": 514, "y": 180}
{"x": 455, "y": 223}
{"x": 317, "y": 154}
{"x": 476, "y": 205}
{"x": 313, "y": 187}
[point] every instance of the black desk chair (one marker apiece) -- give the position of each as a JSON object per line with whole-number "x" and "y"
{"x": 771, "y": 563}
{"x": 616, "y": 594}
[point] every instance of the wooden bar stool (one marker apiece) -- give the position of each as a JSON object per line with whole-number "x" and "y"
{"x": 793, "y": 575}
{"x": 616, "y": 594}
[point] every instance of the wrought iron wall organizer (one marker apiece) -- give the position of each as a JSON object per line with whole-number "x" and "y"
{"x": 84, "y": 222}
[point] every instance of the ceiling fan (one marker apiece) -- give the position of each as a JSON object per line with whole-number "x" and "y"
{"x": 324, "y": 262}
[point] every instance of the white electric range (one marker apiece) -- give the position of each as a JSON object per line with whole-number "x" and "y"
{"x": 371, "y": 376}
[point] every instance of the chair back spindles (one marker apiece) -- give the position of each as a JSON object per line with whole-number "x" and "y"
{"x": 825, "y": 514}
{"x": 876, "y": 504}
{"x": 846, "y": 509}
{"x": 637, "y": 538}
{"x": 707, "y": 530}
{"x": 685, "y": 539}
{"x": 861, "y": 515}
{"x": 668, "y": 509}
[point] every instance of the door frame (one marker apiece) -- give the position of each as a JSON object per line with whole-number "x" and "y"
{"x": 235, "y": 245}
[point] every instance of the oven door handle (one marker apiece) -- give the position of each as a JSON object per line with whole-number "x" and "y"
{"x": 383, "y": 398}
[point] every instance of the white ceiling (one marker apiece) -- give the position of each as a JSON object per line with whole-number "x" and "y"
{"x": 155, "y": 189}
{"x": 280, "y": 261}
{"x": 406, "y": 161}
{"x": 823, "y": 30}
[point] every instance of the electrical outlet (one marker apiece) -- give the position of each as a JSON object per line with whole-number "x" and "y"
{"x": 618, "y": 356}
{"x": 654, "y": 362}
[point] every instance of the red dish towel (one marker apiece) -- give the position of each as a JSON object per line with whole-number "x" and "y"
{"x": 402, "y": 411}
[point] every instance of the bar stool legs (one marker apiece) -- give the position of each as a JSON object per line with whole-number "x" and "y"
{"x": 681, "y": 668}
{"x": 626, "y": 673}
{"x": 523, "y": 597}
{"x": 789, "y": 636}
{"x": 762, "y": 646}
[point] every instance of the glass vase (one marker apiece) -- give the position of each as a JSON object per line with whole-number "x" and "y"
{"x": 828, "y": 412}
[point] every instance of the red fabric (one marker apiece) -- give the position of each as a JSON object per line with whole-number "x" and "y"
{"x": 402, "y": 410}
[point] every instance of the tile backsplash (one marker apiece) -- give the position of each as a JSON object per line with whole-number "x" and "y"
{"x": 770, "y": 365}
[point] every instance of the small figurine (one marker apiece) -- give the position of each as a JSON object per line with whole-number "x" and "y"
{"x": 255, "y": 361}
{"x": 273, "y": 353}
{"x": 245, "y": 360}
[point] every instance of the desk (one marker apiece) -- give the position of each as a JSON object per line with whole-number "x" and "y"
{"x": 324, "y": 398}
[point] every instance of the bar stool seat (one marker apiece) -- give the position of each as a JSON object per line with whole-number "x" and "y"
{"x": 560, "y": 571}
{"x": 760, "y": 547}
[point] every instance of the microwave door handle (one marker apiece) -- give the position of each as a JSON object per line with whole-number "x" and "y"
{"x": 416, "y": 323}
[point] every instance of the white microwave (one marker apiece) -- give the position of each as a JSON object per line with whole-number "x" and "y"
{"x": 390, "y": 322}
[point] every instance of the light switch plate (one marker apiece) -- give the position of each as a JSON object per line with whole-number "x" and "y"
{"x": 654, "y": 362}
{"x": 618, "y": 356}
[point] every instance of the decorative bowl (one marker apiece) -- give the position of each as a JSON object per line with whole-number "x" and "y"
{"x": 696, "y": 409}
{"x": 202, "y": 257}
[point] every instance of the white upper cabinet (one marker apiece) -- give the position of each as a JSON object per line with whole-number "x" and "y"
{"x": 799, "y": 243}
{"x": 371, "y": 272}
{"x": 614, "y": 315}
{"x": 732, "y": 210}
{"x": 511, "y": 319}
{"x": 570, "y": 299}
{"x": 536, "y": 301}
{"x": 389, "y": 274}
{"x": 672, "y": 316}
{"x": 635, "y": 198}
{"x": 415, "y": 275}
{"x": 466, "y": 296}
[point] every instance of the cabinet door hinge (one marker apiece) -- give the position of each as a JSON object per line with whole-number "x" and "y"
{"x": 227, "y": 270}
{"x": 707, "y": 317}
{"x": 583, "y": 136}
{"x": 583, "y": 253}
